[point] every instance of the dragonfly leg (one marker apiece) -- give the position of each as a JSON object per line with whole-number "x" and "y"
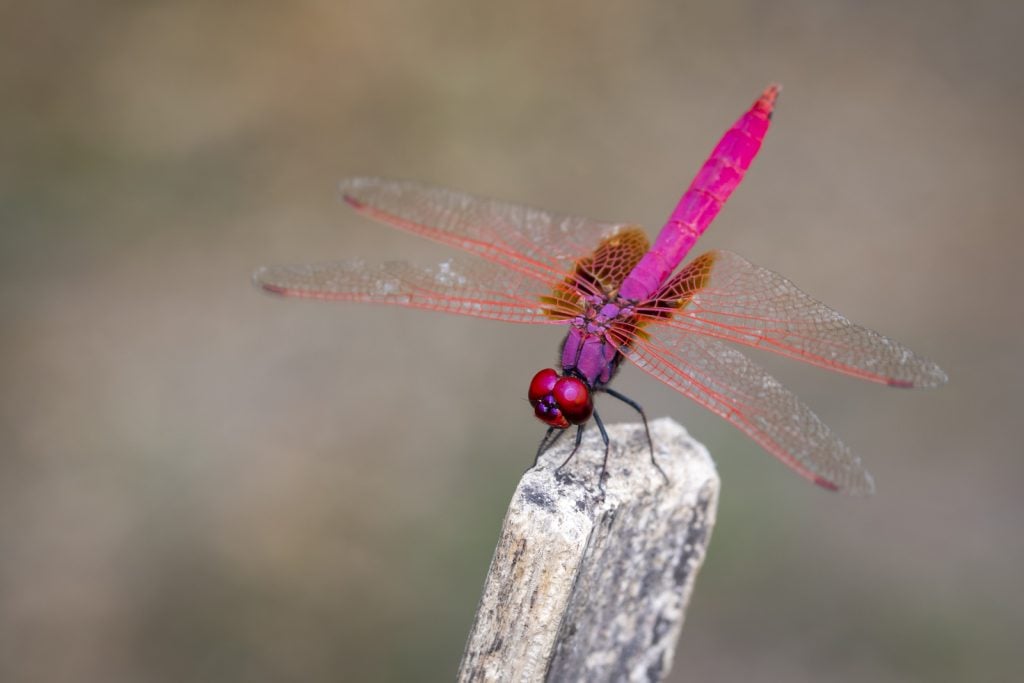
{"x": 607, "y": 450}
{"x": 553, "y": 434}
{"x": 643, "y": 416}
{"x": 579, "y": 440}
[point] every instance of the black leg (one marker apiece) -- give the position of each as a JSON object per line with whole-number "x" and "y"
{"x": 547, "y": 442}
{"x": 579, "y": 439}
{"x": 607, "y": 450}
{"x": 636, "y": 406}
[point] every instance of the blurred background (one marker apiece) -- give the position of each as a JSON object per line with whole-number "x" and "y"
{"x": 199, "y": 482}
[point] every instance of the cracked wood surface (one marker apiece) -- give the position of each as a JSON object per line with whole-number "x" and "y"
{"x": 585, "y": 586}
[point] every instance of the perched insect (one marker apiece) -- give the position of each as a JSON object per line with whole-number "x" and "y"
{"x": 621, "y": 298}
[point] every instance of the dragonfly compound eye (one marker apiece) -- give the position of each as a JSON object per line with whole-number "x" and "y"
{"x": 543, "y": 401}
{"x": 573, "y": 397}
{"x": 542, "y": 384}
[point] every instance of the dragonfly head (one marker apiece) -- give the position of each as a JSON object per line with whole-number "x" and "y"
{"x": 560, "y": 401}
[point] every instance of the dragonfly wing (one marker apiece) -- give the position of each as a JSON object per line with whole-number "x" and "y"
{"x": 599, "y": 274}
{"x": 729, "y": 384}
{"x": 723, "y": 295}
{"x": 465, "y": 286}
{"x": 519, "y": 237}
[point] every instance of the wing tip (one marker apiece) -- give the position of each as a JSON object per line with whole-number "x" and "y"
{"x": 257, "y": 277}
{"x": 824, "y": 483}
{"x": 260, "y": 282}
{"x": 275, "y": 289}
{"x": 937, "y": 376}
{"x": 865, "y": 486}
{"x": 353, "y": 202}
{"x": 930, "y": 376}
{"x": 349, "y": 189}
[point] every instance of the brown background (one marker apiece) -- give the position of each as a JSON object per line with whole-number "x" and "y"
{"x": 201, "y": 483}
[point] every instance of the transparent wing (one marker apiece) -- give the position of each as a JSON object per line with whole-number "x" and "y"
{"x": 723, "y": 295}
{"x": 468, "y": 286}
{"x": 598, "y": 275}
{"x": 729, "y": 384}
{"x": 519, "y": 237}
{"x": 459, "y": 285}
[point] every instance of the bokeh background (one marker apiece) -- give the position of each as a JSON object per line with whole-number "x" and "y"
{"x": 199, "y": 482}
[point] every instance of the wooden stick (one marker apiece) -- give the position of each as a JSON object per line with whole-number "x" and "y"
{"x": 585, "y": 586}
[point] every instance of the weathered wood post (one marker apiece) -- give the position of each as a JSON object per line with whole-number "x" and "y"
{"x": 590, "y": 587}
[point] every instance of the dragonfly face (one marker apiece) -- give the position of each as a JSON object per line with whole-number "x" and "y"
{"x": 560, "y": 401}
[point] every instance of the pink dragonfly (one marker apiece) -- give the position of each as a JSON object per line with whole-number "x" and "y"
{"x": 620, "y": 299}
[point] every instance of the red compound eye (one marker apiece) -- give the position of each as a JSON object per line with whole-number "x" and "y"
{"x": 560, "y": 401}
{"x": 573, "y": 397}
{"x": 542, "y": 384}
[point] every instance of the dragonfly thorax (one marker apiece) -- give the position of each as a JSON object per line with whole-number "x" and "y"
{"x": 588, "y": 351}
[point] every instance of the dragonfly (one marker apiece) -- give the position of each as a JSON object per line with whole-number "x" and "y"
{"x": 622, "y": 298}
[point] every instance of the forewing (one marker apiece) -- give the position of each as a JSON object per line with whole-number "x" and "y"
{"x": 599, "y": 274}
{"x": 613, "y": 260}
{"x": 729, "y": 384}
{"x": 519, "y": 237}
{"x": 460, "y": 285}
{"x": 725, "y": 296}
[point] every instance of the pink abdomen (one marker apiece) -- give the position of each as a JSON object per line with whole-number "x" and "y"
{"x": 699, "y": 205}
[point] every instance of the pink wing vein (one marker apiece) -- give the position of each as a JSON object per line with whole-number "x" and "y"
{"x": 729, "y": 384}
{"x": 536, "y": 242}
{"x": 458, "y": 285}
{"x": 746, "y": 304}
